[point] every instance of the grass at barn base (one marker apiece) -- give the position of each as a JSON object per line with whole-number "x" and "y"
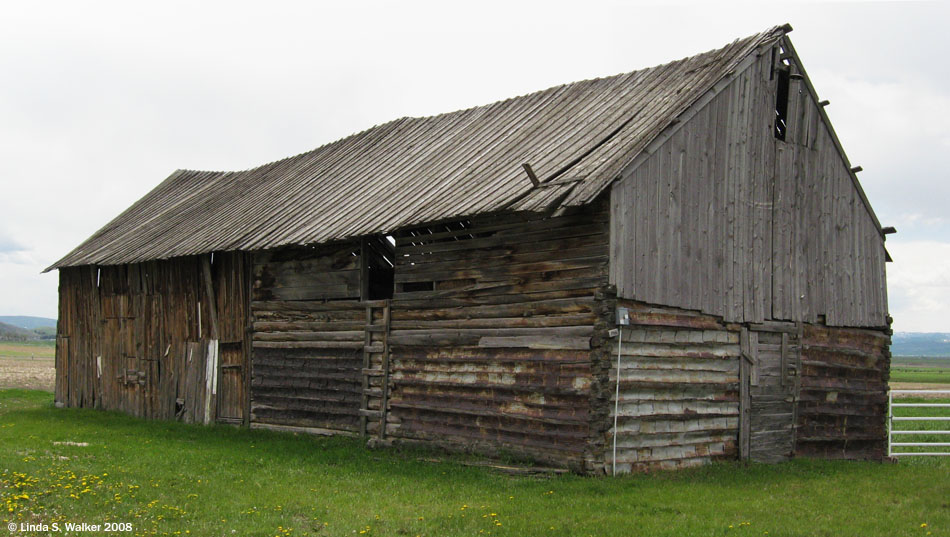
{"x": 66, "y": 465}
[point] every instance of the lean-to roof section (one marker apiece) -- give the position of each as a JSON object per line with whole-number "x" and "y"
{"x": 576, "y": 137}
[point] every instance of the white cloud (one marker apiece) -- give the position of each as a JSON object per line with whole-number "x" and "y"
{"x": 918, "y": 283}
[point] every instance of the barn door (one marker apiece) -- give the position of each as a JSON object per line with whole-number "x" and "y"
{"x": 769, "y": 386}
{"x": 231, "y": 372}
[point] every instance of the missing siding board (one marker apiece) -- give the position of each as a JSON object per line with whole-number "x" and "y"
{"x": 781, "y": 104}
{"x": 380, "y": 261}
{"x": 414, "y": 287}
{"x": 458, "y": 230}
{"x": 419, "y": 246}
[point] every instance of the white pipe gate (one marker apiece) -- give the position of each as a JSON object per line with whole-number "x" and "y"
{"x": 891, "y": 418}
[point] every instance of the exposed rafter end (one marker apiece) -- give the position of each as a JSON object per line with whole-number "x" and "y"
{"x": 857, "y": 169}
{"x": 824, "y": 103}
{"x": 787, "y": 27}
{"x": 889, "y": 230}
{"x": 531, "y": 175}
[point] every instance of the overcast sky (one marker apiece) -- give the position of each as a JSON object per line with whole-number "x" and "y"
{"x": 100, "y": 101}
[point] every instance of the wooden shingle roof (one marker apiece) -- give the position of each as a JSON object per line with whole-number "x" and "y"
{"x": 577, "y": 138}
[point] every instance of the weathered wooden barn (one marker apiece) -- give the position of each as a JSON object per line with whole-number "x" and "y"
{"x": 649, "y": 270}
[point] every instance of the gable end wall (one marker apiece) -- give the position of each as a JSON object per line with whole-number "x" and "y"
{"x": 725, "y": 219}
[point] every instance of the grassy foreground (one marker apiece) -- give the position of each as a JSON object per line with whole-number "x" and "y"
{"x": 173, "y": 479}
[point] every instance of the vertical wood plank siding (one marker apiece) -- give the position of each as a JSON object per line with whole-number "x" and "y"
{"x": 828, "y": 255}
{"x": 679, "y": 389}
{"x": 308, "y": 325}
{"x": 726, "y": 219}
{"x": 134, "y": 338}
{"x": 842, "y": 408}
{"x": 491, "y": 348}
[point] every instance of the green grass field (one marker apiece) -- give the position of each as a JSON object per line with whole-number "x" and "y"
{"x": 920, "y": 369}
{"x": 926, "y": 375}
{"x": 175, "y": 479}
{"x": 21, "y": 349}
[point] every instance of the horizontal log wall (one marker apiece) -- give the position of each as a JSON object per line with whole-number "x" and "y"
{"x": 491, "y": 331}
{"x": 843, "y": 401}
{"x": 308, "y": 329}
{"x": 679, "y": 389}
{"x": 134, "y": 338}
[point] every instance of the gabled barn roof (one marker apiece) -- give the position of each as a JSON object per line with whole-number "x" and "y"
{"x": 576, "y": 138}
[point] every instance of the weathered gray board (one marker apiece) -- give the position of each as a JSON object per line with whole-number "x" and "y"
{"x": 145, "y": 338}
{"x": 490, "y": 342}
{"x": 843, "y": 400}
{"x": 679, "y": 384}
{"x": 774, "y": 353}
{"x": 308, "y": 333}
{"x": 722, "y": 217}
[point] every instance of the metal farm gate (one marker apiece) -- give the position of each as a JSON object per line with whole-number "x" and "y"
{"x": 918, "y": 425}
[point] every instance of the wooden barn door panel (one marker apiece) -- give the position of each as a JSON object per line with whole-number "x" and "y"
{"x": 772, "y": 356}
{"x": 231, "y": 371}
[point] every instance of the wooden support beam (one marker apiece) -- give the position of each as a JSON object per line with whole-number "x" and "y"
{"x": 384, "y": 397}
{"x": 745, "y": 406}
{"x": 364, "y": 269}
{"x": 534, "y": 178}
{"x": 824, "y": 103}
{"x": 209, "y": 291}
{"x": 783, "y": 371}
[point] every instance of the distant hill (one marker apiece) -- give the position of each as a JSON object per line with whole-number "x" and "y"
{"x": 25, "y": 321}
{"x": 8, "y": 332}
{"x": 920, "y": 344}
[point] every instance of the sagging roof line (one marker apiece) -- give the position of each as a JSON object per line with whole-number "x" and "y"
{"x": 577, "y": 138}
